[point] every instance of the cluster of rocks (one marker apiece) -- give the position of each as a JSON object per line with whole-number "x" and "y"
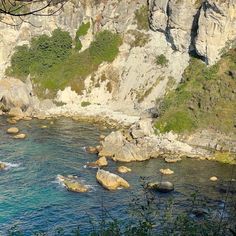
{"x": 140, "y": 143}
{"x": 15, "y": 131}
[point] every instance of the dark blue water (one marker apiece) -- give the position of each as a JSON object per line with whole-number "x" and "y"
{"x": 31, "y": 197}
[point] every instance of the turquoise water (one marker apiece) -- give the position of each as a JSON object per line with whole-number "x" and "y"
{"x": 31, "y": 197}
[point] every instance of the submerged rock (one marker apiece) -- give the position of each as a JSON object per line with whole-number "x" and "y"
{"x": 11, "y": 121}
{"x": 123, "y": 169}
{"x": 111, "y": 181}
{"x": 20, "y": 136}
{"x": 72, "y": 184}
{"x": 163, "y": 187}
{"x": 13, "y": 130}
{"x": 166, "y": 171}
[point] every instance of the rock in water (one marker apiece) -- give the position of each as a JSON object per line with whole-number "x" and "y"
{"x": 123, "y": 169}
{"x": 166, "y": 171}
{"x": 13, "y": 130}
{"x": 163, "y": 187}
{"x": 91, "y": 150}
{"x": 172, "y": 159}
{"x": 20, "y": 136}
{"x": 101, "y": 162}
{"x": 111, "y": 181}
{"x": 2, "y": 166}
{"x": 72, "y": 184}
{"x": 213, "y": 178}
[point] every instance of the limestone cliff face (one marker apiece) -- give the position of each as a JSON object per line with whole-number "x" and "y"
{"x": 134, "y": 79}
{"x": 217, "y": 28}
{"x": 202, "y": 26}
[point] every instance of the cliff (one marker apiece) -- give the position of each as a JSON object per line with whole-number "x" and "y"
{"x": 151, "y": 61}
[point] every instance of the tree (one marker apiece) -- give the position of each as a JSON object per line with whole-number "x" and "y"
{"x": 19, "y": 9}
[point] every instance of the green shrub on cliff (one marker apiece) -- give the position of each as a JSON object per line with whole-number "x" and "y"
{"x": 141, "y": 16}
{"x": 82, "y": 31}
{"x": 204, "y": 99}
{"x": 44, "y": 52}
{"x": 54, "y": 64}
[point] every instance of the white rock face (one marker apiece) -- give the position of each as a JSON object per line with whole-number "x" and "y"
{"x": 217, "y": 28}
{"x": 206, "y": 26}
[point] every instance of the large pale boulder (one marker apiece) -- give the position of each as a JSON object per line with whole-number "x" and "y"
{"x": 14, "y": 93}
{"x": 13, "y": 130}
{"x": 142, "y": 128}
{"x": 111, "y": 181}
{"x": 16, "y": 112}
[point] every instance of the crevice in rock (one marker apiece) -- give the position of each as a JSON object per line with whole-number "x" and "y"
{"x": 194, "y": 33}
{"x": 168, "y": 35}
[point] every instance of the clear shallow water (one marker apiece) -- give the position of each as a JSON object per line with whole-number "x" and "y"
{"x": 31, "y": 197}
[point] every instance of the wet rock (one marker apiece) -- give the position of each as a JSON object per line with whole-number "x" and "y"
{"x": 72, "y": 184}
{"x": 123, "y": 169}
{"x": 172, "y": 159}
{"x": 166, "y": 171}
{"x": 91, "y": 150}
{"x": 2, "y": 166}
{"x": 213, "y": 178}
{"x": 13, "y": 130}
{"x": 20, "y": 136}
{"x": 11, "y": 121}
{"x": 27, "y": 118}
{"x": 200, "y": 212}
{"x": 111, "y": 181}
{"x": 102, "y": 161}
{"x": 16, "y": 112}
{"x": 43, "y": 126}
{"x": 102, "y": 137}
{"x": 163, "y": 187}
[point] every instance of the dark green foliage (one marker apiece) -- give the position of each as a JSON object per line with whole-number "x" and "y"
{"x": 44, "y": 53}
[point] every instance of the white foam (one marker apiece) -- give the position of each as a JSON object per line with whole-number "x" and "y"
{"x": 11, "y": 165}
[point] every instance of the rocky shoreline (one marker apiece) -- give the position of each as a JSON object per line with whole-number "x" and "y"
{"x": 134, "y": 139}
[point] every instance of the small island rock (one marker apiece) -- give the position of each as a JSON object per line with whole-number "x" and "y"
{"x": 13, "y": 130}
{"x": 20, "y": 136}
{"x": 163, "y": 187}
{"x": 123, "y": 169}
{"x": 111, "y": 181}
{"x": 166, "y": 171}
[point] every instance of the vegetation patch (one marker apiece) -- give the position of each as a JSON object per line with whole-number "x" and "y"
{"x": 140, "y": 38}
{"x": 205, "y": 98}
{"x": 141, "y": 16}
{"x": 82, "y": 31}
{"x": 85, "y": 104}
{"x": 161, "y": 60}
{"x": 53, "y": 64}
{"x": 225, "y": 157}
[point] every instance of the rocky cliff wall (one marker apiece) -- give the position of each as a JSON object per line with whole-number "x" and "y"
{"x": 135, "y": 80}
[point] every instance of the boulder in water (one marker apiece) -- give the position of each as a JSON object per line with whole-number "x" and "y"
{"x": 91, "y": 150}
{"x": 111, "y": 181}
{"x": 172, "y": 159}
{"x": 166, "y": 171}
{"x": 20, "y": 136}
{"x": 101, "y": 162}
{"x": 13, "y": 130}
{"x": 163, "y": 187}
{"x": 72, "y": 184}
{"x": 123, "y": 169}
{"x": 2, "y": 166}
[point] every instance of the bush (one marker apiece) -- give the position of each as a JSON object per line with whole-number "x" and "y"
{"x": 82, "y": 31}
{"x": 44, "y": 52}
{"x": 161, "y": 60}
{"x": 85, "y": 104}
{"x": 105, "y": 47}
